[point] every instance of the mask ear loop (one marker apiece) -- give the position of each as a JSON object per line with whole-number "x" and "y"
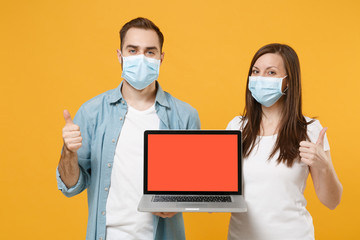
{"x": 287, "y": 86}
{"x": 121, "y": 55}
{"x": 284, "y": 92}
{"x": 122, "y": 58}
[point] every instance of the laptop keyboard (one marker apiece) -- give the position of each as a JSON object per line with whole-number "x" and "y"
{"x": 192, "y": 199}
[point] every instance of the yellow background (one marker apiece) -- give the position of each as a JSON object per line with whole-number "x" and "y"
{"x": 56, "y": 55}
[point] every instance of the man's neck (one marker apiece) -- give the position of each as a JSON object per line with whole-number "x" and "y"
{"x": 139, "y": 99}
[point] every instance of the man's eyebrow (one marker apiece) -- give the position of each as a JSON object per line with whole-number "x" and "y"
{"x": 152, "y": 48}
{"x": 131, "y": 46}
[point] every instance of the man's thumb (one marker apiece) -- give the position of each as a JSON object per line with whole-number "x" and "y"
{"x": 67, "y": 117}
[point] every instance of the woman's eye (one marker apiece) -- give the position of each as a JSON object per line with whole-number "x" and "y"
{"x": 272, "y": 73}
{"x": 254, "y": 71}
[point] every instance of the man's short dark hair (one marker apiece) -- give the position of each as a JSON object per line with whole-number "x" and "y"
{"x": 142, "y": 23}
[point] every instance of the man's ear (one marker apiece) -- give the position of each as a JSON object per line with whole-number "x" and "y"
{"x": 119, "y": 55}
{"x": 162, "y": 57}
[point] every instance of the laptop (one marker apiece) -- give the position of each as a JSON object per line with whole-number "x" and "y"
{"x": 192, "y": 171}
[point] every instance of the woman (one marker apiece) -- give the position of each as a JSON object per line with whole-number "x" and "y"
{"x": 280, "y": 148}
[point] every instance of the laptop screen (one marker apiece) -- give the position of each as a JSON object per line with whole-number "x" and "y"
{"x": 202, "y": 161}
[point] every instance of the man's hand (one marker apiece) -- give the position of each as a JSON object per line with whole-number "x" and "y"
{"x": 165, "y": 214}
{"x": 68, "y": 166}
{"x": 71, "y": 134}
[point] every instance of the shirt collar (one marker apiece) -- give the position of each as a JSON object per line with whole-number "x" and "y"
{"x": 160, "y": 96}
{"x": 116, "y": 95}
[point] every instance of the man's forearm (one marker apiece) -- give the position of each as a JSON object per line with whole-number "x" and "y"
{"x": 69, "y": 168}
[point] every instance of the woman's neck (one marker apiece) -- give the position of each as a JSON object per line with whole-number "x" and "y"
{"x": 271, "y": 118}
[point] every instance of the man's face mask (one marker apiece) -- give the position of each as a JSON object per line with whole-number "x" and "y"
{"x": 140, "y": 71}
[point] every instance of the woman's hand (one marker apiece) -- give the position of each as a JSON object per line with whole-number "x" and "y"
{"x": 313, "y": 154}
{"x": 326, "y": 183}
{"x": 165, "y": 214}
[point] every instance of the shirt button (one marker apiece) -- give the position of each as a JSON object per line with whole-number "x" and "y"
{"x": 106, "y": 189}
{"x": 101, "y": 238}
{"x": 103, "y": 213}
{"x": 109, "y": 164}
{"x": 123, "y": 102}
{"x": 121, "y": 118}
{"x": 113, "y": 140}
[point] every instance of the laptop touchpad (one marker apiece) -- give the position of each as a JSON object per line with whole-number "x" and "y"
{"x": 192, "y": 205}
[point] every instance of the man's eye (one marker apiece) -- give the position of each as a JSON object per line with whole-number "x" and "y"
{"x": 150, "y": 53}
{"x": 132, "y": 51}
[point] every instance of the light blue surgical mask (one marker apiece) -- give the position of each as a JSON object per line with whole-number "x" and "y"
{"x": 140, "y": 71}
{"x": 266, "y": 90}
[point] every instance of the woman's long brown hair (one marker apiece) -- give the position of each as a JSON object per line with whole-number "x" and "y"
{"x": 293, "y": 125}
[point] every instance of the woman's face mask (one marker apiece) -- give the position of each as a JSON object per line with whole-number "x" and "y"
{"x": 266, "y": 90}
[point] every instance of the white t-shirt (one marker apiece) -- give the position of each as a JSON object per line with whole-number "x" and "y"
{"x": 274, "y": 194}
{"x": 123, "y": 221}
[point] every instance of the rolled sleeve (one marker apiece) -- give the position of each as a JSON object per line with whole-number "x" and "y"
{"x": 74, "y": 190}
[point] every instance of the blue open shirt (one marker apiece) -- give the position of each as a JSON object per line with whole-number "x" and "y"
{"x": 100, "y": 120}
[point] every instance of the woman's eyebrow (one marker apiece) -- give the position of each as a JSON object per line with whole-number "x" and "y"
{"x": 271, "y": 67}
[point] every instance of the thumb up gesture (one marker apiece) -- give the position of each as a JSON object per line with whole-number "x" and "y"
{"x": 71, "y": 134}
{"x": 313, "y": 154}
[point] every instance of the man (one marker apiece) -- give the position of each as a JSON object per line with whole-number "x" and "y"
{"x": 103, "y": 146}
